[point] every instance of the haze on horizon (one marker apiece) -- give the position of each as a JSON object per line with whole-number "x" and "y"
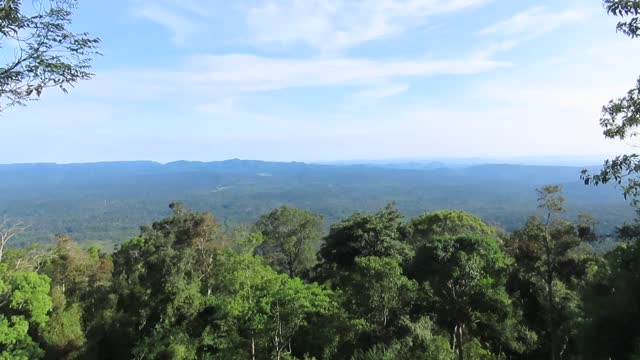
{"x": 333, "y": 80}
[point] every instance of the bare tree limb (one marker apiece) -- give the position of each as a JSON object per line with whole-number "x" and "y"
{"x": 8, "y": 231}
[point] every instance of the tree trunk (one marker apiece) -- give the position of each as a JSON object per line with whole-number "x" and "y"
{"x": 278, "y": 332}
{"x": 551, "y": 305}
{"x": 253, "y": 348}
{"x": 454, "y": 346}
{"x": 459, "y": 342}
{"x": 384, "y": 317}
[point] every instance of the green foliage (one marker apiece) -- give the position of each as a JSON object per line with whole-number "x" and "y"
{"x": 551, "y": 268}
{"x": 186, "y": 289}
{"x": 379, "y": 294}
{"x": 47, "y": 53}
{"x": 621, "y": 117}
{"x": 419, "y": 343}
{"x": 270, "y": 307}
{"x": 63, "y": 335}
{"x": 629, "y": 9}
{"x": 24, "y": 307}
{"x": 468, "y": 277}
{"x": 381, "y": 234}
{"x": 378, "y": 352}
{"x": 163, "y": 283}
{"x": 291, "y": 238}
{"x": 612, "y": 301}
{"x": 447, "y": 223}
{"x": 550, "y": 199}
{"x": 422, "y": 340}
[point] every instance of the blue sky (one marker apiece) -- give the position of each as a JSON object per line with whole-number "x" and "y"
{"x": 321, "y": 80}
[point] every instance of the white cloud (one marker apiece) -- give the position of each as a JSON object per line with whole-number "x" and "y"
{"x": 194, "y": 7}
{"x": 182, "y": 27}
{"x": 380, "y": 92}
{"x": 249, "y": 72}
{"x": 215, "y": 76}
{"x": 226, "y": 108}
{"x": 184, "y": 18}
{"x": 525, "y": 26}
{"x": 535, "y": 21}
{"x": 221, "y": 106}
{"x": 340, "y": 24}
{"x": 319, "y": 24}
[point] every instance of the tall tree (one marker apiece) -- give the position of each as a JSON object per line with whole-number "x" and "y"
{"x": 291, "y": 238}
{"x": 468, "y": 277}
{"x": 42, "y": 50}
{"x": 379, "y": 295}
{"x": 165, "y": 286}
{"x": 548, "y": 261}
{"x": 80, "y": 281}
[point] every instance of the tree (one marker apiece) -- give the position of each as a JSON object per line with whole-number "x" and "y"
{"x": 547, "y": 255}
{"x": 270, "y": 307}
{"x": 382, "y": 234}
{"x": 291, "y": 237}
{"x": 44, "y": 52}
{"x": 621, "y": 117}
{"x": 63, "y": 336}
{"x": 379, "y": 294}
{"x": 447, "y": 223}
{"x": 70, "y": 267}
{"x": 164, "y": 286}
{"x": 24, "y": 307}
{"x": 468, "y": 276}
{"x": 80, "y": 284}
{"x": 612, "y": 330}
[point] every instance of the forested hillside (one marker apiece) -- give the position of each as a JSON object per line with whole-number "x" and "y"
{"x": 106, "y": 202}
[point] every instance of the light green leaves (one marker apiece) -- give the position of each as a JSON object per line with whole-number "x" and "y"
{"x": 24, "y": 304}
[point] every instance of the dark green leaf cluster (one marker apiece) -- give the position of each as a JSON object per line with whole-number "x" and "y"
{"x": 625, "y": 8}
{"x": 621, "y": 117}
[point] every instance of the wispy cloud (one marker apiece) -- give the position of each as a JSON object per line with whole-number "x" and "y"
{"x": 535, "y": 21}
{"x": 381, "y": 92}
{"x": 225, "y": 75}
{"x": 227, "y": 107}
{"x": 340, "y": 24}
{"x": 183, "y": 18}
{"x": 326, "y": 25}
{"x": 181, "y": 27}
{"x": 526, "y": 25}
{"x": 251, "y": 72}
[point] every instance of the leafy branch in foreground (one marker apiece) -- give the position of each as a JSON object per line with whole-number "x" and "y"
{"x": 621, "y": 117}
{"x": 42, "y": 51}
{"x": 625, "y": 9}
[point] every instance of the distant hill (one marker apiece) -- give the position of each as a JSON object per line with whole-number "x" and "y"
{"x": 108, "y": 201}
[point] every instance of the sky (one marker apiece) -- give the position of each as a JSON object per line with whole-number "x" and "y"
{"x": 325, "y": 80}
